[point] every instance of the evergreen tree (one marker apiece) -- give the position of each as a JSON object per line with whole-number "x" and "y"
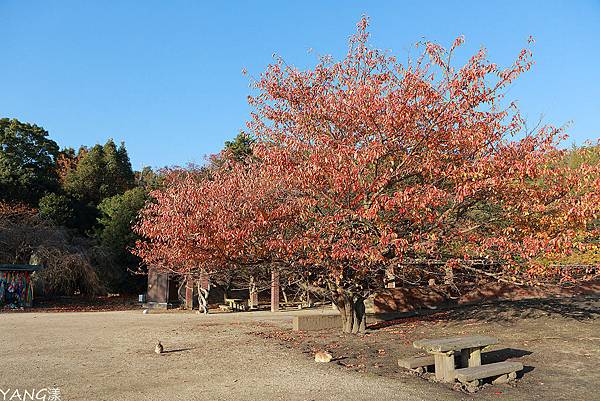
{"x": 56, "y": 209}
{"x": 104, "y": 171}
{"x": 27, "y": 162}
{"x": 240, "y": 147}
{"x": 117, "y": 216}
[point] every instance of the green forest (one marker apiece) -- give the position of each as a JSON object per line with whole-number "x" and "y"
{"x": 71, "y": 210}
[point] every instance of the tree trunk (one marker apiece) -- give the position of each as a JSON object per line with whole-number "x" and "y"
{"x": 285, "y": 298}
{"x": 203, "y": 297}
{"x": 352, "y": 309}
{"x": 253, "y": 301}
{"x": 225, "y": 292}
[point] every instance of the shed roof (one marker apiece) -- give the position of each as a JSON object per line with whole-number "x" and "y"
{"x": 22, "y": 268}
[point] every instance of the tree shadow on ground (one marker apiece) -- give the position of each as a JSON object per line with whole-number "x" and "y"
{"x": 580, "y": 308}
{"x": 576, "y": 308}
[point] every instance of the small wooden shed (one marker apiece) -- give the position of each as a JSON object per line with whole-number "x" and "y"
{"x": 162, "y": 289}
{"x": 16, "y": 287}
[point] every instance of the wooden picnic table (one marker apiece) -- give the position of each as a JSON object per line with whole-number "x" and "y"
{"x": 444, "y": 351}
{"x": 236, "y": 304}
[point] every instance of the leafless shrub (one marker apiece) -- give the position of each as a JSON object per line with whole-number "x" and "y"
{"x": 26, "y": 238}
{"x": 67, "y": 273}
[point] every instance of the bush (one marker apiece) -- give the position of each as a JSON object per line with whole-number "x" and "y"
{"x": 56, "y": 209}
{"x": 66, "y": 273}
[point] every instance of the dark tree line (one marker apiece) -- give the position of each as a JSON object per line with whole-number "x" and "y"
{"x": 73, "y": 209}
{"x": 89, "y": 197}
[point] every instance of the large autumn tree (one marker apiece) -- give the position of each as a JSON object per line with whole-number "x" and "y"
{"x": 367, "y": 167}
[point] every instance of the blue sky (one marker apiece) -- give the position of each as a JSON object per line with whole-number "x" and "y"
{"x": 165, "y": 76}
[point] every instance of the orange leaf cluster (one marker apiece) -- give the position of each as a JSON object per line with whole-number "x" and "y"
{"x": 365, "y": 163}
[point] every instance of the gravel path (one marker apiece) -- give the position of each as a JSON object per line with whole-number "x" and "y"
{"x": 109, "y": 356}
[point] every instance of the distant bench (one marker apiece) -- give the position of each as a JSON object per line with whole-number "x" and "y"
{"x": 236, "y": 304}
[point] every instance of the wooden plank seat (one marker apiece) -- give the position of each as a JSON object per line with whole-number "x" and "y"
{"x": 505, "y": 371}
{"x": 417, "y": 363}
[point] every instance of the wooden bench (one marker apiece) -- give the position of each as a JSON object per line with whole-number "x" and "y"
{"x": 418, "y": 364}
{"x": 505, "y": 371}
{"x": 237, "y": 304}
{"x": 444, "y": 351}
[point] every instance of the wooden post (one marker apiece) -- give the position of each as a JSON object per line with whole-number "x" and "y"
{"x": 253, "y": 301}
{"x": 204, "y": 280}
{"x": 189, "y": 293}
{"x": 444, "y": 366}
{"x": 470, "y": 357}
{"x": 274, "y": 290}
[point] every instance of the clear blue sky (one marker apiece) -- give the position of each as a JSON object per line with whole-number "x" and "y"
{"x": 165, "y": 76}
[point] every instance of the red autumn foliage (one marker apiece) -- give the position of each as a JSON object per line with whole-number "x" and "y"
{"x": 229, "y": 217}
{"x": 366, "y": 164}
{"x": 14, "y": 212}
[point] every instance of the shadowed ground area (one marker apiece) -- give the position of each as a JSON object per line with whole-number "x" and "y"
{"x": 243, "y": 356}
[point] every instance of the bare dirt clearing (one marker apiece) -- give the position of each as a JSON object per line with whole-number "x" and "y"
{"x": 243, "y": 356}
{"x": 557, "y": 341}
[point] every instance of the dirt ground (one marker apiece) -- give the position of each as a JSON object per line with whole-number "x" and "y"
{"x": 557, "y": 341}
{"x": 255, "y": 355}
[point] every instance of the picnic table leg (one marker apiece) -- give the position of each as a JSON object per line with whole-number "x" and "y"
{"x": 470, "y": 357}
{"x": 444, "y": 366}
